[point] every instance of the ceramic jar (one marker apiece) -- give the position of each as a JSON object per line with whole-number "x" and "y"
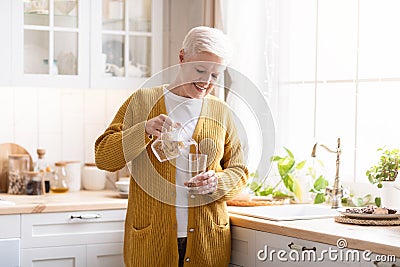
{"x": 92, "y": 177}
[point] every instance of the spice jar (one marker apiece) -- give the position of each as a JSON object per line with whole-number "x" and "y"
{"x": 34, "y": 183}
{"x": 18, "y": 164}
{"x": 59, "y": 182}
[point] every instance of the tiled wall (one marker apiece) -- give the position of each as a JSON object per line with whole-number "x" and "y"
{"x": 66, "y": 122}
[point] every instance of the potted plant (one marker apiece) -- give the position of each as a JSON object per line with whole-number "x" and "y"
{"x": 290, "y": 173}
{"x": 384, "y": 173}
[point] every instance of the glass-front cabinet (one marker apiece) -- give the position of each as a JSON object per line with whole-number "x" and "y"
{"x": 86, "y": 43}
{"x": 126, "y": 42}
{"x": 51, "y": 43}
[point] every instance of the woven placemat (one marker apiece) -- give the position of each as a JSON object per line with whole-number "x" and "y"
{"x": 242, "y": 203}
{"x": 379, "y": 222}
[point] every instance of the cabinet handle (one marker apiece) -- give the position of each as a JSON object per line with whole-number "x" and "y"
{"x": 86, "y": 216}
{"x": 299, "y": 247}
{"x": 377, "y": 263}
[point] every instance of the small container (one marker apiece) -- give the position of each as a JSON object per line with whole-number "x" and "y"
{"x": 34, "y": 183}
{"x": 18, "y": 164}
{"x": 59, "y": 182}
{"x": 169, "y": 145}
{"x": 92, "y": 177}
{"x": 73, "y": 170}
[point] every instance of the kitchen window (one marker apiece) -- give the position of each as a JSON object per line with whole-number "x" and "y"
{"x": 331, "y": 70}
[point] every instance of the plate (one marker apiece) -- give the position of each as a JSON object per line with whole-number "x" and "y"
{"x": 368, "y": 216}
{"x": 124, "y": 194}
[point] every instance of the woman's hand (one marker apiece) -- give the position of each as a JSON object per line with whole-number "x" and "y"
{"x": 203, "y": 183}
{"x": 158, "y": 125}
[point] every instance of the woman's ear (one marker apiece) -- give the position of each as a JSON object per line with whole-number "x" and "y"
{"x": 181, "y": 56}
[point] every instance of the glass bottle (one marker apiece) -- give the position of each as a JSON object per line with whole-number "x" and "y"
{"x": 43, "y": 167}
{"x": 59, "y": 183}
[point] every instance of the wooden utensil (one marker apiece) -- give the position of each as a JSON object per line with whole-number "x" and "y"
{"x": 5, "y": 150}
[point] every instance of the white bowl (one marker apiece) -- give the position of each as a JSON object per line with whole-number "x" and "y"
{"x": 122, "y": 186}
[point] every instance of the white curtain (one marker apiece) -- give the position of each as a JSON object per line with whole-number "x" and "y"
{"x": 253, "y": 30}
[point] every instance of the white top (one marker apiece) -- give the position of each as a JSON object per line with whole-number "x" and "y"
{"x": 185, "y": 111}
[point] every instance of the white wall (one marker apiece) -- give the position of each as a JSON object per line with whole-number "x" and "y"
{"x": 64, "y": 121}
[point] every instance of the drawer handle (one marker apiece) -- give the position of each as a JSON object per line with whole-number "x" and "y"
{"x": 300, "y": 248}
{"x": 86, "y": 216}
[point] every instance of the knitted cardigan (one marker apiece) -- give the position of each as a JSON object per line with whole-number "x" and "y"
{"x": 150, "y": 226}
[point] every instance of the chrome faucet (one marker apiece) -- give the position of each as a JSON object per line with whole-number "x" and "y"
{"x": 336, "y": 193}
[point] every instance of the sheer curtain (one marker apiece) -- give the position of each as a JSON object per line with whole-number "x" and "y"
{"x": 253, "y": 28}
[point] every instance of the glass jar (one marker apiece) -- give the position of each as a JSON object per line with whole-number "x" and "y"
{"x": 34, "y": 183}
{"x": 59, "y": 182}
{"x": 18, "y": 164}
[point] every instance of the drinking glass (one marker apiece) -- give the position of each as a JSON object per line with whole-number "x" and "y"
{"x": 197, "y": 165}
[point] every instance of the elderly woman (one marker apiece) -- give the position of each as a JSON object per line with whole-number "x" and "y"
{"x": 165, "y": 225}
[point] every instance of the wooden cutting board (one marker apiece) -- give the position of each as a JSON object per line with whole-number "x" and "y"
{"x": 5, "y": 150}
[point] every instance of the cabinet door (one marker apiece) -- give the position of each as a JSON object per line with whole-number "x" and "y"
{"x": 126, "y": 42}
{"x": 50, "y": 43}
{"x": 105, "y": 255}
{"x": 69, "y": 256}
{"x": 5, "y": 45}
{"x": 243, "y": 247}
{"x": 12, "y": 224}
{"x": 72, "y": 228}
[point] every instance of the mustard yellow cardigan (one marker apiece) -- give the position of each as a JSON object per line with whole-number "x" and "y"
{"x": 150, "y": 226}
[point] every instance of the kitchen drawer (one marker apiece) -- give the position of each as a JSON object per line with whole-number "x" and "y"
{"x": 72, "y": 228}
{"x": 279, "y": 253}
{"x": 10, "y": 226}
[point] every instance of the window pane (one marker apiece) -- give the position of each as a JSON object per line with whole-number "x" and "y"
{"x": 378, "y": 109}
{"x": 66, "y": 13}
{"x": 300, "y": 25}
{"x": 140, "y": 15}
{"x": 139, "y": 57}
{"x": 336, "y": 106}
{"x": 66, "y": 52}
{"x": 296, "y": 118}
{"x": 379, "y": 53}
{"x": 36, "y": 52}
{"x": 36, "y": 12}
{"x": 113, "y": 48}
{"x": 113, "y": 15}
{"x": 337, "y": 39}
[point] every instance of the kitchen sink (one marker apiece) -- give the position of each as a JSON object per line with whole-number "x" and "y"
{"x": 286, "y": 212}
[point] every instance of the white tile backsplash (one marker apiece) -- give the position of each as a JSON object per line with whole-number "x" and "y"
{"x": 66, "y": 122}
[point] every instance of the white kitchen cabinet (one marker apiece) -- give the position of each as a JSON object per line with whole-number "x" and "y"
{"x": 105, "y": 255}
{"x": 243, "y": 247}
{"x": 50, "y": 44}
{"x": 126, "y": 42}
{"x": 10, "y": 240}
{"x": 255, "y": 248}
{"x": 55, "y": 46}
{"x": 5, "y": 46}
{"x": 90, "y": 238}
{"x": 279, "y": 250}
{"x": 69, "y": 256}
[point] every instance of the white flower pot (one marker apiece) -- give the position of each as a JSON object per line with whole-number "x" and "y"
{"x": 390, "y": 196}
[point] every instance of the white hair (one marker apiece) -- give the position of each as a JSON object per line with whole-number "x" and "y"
{"x": 206, "y": 39}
